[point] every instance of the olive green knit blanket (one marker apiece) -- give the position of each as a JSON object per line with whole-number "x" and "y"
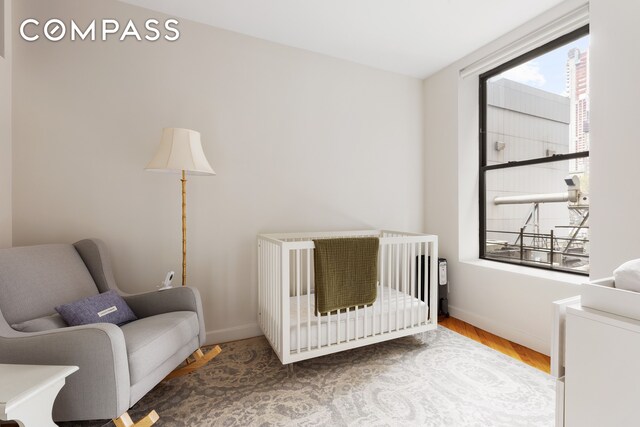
{"x": 346, "y": 273}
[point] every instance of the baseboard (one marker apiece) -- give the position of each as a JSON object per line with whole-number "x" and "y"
{"x": 233, "y": 334}
{"x": 502, "y": 330}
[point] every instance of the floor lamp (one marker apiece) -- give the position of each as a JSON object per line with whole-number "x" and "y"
{"x": 180, "y": 151}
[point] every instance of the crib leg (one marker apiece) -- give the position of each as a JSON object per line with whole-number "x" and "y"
{"x": 291, "y": 371}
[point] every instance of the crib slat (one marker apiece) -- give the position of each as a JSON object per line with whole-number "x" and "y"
{"x": 404, "y": 287}
{"x": 433, "y": 292}
{"x": 329, "y": 329}
{"x": 276, "y": 296}
{"x": 425, "y": 274}
{"x": 397, "y": 284}
{"x": 276, "y": 292}
{"x": 266, "y": 313}
{"x": 382, "y": 277}
{"x": 271, "y": 291}
{"x": 389, "y": 279}
{"x": 402, "y": 293}
{"x": 420, "y": 264}
{"x": 298, "y": 305}
{"x": 347, "y": 325}
{"x": 425, "y": 280}
{"x": 413, "y": 277}
{"x": 265, "y": 289}
{"x": 345, "y": 322}
{"x": 308, "y": 264}
{"x": 260, "y": 284}
{"x": 399, "y": 271}
{"x": 319, "y": 331}
{"x": 356, "y": 326}
{"x": 366, "y": 314}
{"x": 284, "y": 282}
{"x": 364, "y": 322}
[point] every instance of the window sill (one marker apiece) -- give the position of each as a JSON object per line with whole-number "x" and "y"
{"x": 557, "y": 276}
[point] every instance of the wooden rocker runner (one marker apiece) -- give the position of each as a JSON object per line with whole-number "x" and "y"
{"x": 197, "y": 360}
{"x": 124, "y": 420}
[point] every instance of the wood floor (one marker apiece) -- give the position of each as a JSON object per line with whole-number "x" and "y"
{"x": 524, "y": 354}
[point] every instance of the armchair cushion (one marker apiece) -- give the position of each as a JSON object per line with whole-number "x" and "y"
{"x": 46, "y": 323}
{"x": 153, "y": 340}
{"x": 108, "y": 307}
{"x": 34, "y": 279}
{"x": 182, "y": 298}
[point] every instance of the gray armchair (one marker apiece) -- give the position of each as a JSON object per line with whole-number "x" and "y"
{"x": 118, "y": 365}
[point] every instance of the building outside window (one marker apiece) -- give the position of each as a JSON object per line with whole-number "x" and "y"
{"x": 534, "y": 161}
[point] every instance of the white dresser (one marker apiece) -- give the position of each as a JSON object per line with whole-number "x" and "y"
{"x": 601, "y": 368}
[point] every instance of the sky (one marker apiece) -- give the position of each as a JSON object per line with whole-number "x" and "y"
{"x": 546, "y": 72}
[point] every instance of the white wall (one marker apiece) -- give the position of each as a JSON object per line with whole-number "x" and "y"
{"x": 299, "y": 141}
{"x": 5, "y": 124}
{"x": 508, "y": 300}
{"x": 615, "y": 145}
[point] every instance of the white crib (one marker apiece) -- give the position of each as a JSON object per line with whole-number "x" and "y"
{"x": 286, "y": 303}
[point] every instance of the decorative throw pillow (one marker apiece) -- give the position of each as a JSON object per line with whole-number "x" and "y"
{"x": 108, "y": 307}
{"x": 627, "y": 276}
{"x": 45, "y": 323}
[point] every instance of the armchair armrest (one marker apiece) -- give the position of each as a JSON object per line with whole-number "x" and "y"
{"x": 100, "y": 389}
{"x": 174, "y": 299}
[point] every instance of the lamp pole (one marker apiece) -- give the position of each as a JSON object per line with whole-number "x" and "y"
{"x": 180, "y": 151}
{"x": 184, "y": 228}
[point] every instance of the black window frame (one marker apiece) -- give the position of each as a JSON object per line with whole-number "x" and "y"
{"x": 484, "y": 168}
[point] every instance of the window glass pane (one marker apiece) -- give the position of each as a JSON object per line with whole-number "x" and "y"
{"x": 541, "y": 107}
{"x": 537, "y": 202}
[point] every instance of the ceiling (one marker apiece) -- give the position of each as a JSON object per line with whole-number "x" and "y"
{"x": 411, "y": 37}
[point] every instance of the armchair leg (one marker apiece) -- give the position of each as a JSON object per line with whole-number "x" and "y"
{"x": 124, "y": 420}
{"x": 199, "y": 360}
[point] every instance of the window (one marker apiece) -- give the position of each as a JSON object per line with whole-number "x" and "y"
{"x": 534, "y": 157}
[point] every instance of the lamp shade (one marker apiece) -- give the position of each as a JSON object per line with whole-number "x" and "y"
{"x": 180, "y": 150}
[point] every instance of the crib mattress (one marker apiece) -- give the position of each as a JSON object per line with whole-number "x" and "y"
{"x": 392, "y": 310}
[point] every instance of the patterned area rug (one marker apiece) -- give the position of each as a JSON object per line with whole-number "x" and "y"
{"x": 436, "y": 379}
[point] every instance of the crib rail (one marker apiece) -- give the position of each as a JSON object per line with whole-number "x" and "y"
{"x": 407, "y": 262}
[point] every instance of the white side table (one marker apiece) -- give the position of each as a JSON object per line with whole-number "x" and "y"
{"x": 27, "y": 392}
